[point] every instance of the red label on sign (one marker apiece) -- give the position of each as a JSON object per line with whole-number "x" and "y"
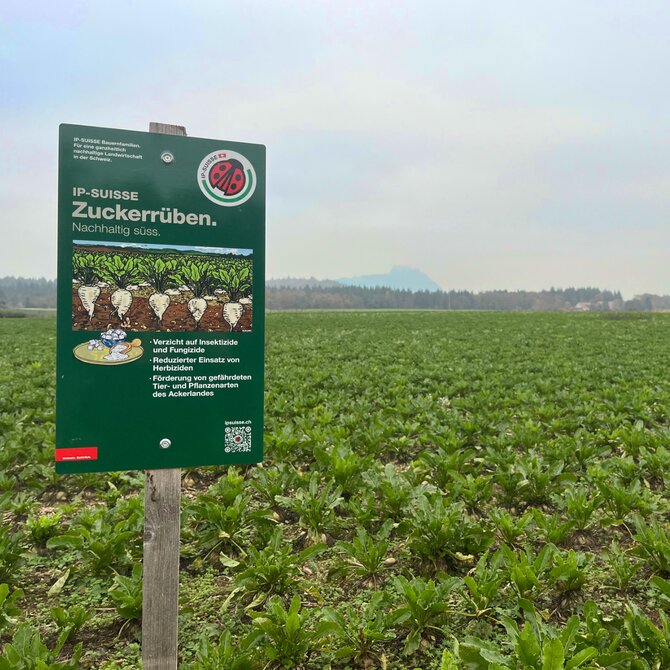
{"x": 77, "y": 454}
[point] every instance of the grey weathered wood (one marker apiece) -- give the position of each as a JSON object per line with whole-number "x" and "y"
{"x": 166, "y": 129}
{"x": 160, "y": 594}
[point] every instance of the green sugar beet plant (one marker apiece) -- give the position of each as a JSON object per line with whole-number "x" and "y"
{"x": 441, "y": 532}
{"x": 28, "y": 651}
{"x": 11, "y": 554}
{"x": 9, "y": 609}
{"x": 289, "y": 636}
{"x": 358, "y": 635}
{"x": 273, "y": 570}
{"x": 365, "y": 556}
{"x": 423, "y": 608}
{"x": 43, "y": 527}
{"x": 224, "y": 653}
{"x": 315, "y": 506}
{"x": 102, "y": 540}
{"x": 126, "y": 594}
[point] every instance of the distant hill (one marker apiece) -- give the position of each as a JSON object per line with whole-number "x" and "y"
{"x": 400, "y": 278}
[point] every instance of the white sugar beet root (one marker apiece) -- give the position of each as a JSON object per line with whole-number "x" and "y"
{"x": 159, "y": 302}
{"x": 232, "y": 313}
{"x": 197, "y": 307}
{"x": 121, "y": 299}
{"x": 88, "y": 295}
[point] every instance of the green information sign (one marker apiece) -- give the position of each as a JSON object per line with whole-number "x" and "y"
{"x": 161, "y": 260}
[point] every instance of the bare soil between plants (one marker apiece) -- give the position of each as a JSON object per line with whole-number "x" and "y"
{"x": 141, "y": 317}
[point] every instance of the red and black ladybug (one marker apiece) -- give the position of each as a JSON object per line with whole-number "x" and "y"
{"x": 228, "y": 176}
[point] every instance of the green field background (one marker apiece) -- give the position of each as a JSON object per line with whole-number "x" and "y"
{"x": 440, "y": 491}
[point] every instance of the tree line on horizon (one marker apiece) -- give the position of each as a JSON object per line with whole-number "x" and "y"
{"x": 358, "y": 297}
{"x": 22, "y": 292}
{"x": 27, "y": 292}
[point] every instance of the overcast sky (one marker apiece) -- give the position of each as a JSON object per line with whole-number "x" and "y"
{"x": 518, "y": 144}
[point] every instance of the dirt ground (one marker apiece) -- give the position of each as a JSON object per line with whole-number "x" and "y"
{"x": 140, "y": 316}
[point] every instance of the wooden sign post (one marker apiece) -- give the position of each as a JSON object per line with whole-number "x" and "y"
{"x": 160, "y": 594}
{"x": 160, "y": 574}
{"x": 161, "y": 259}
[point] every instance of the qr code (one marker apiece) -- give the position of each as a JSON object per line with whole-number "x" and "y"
{"x": 238, "y": 438}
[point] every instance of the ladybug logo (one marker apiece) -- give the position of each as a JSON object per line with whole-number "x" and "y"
{"x": 226, "y": 178}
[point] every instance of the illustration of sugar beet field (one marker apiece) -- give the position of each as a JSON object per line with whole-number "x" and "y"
{"x": 440, "y": 491}
{"x": 161, "y": 288}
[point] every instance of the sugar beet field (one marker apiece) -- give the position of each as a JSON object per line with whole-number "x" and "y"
{"x": 440, "y": 491}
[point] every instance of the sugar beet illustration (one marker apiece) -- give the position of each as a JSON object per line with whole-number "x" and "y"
{"x": 228, "y": 176}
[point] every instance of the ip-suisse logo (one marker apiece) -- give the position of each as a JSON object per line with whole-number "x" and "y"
{"x": 227, "y": 178}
